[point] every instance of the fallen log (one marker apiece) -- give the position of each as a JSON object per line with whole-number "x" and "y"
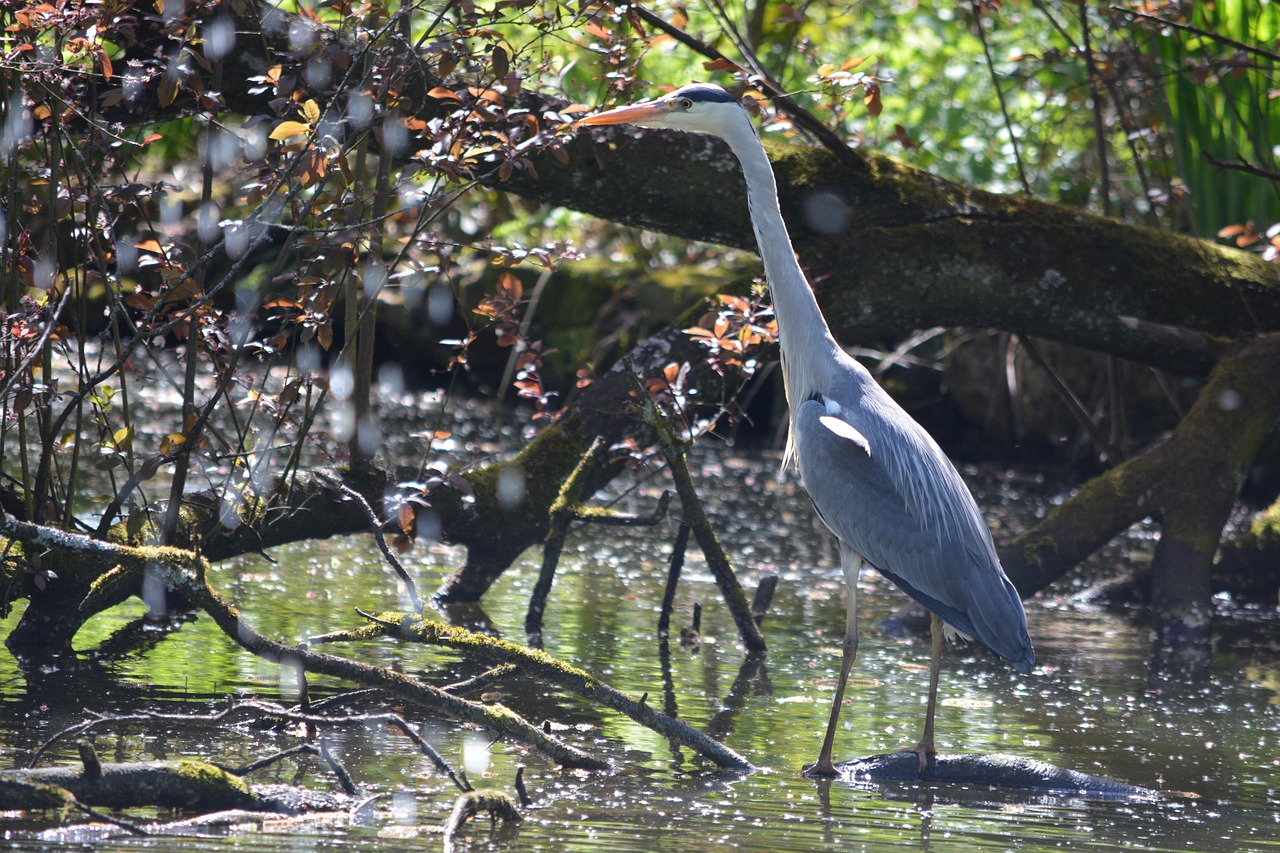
{"x": 997, "y": 770}
{"x": 186, "y": 784}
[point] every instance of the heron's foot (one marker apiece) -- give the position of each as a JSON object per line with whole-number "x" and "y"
{"x": 822, "y": 768}
{"x": 923, "y": 751}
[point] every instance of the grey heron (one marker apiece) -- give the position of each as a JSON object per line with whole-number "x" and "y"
{"x": 877, "y": 479}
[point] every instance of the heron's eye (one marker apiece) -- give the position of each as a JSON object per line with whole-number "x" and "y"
{"x": 686, "y": 104}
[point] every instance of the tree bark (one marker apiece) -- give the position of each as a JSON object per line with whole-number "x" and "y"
{"x": 908, "y": 250}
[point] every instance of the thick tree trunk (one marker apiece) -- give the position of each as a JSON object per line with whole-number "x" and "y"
{"x": 891, "y": 248}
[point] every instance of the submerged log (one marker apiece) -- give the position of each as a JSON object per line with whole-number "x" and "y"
{"x": 188, "y": 784}
{"x": 167, "y": 784}
{"x": 1004, "y": 771}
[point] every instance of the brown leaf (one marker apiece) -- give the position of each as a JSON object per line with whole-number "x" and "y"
{"x": 314, "y": 167}
{"x": 289, "y": 393}
{"x": 510, "y": 287}
{"x": 140, "y": 301}
{"x": 872, "y": 99}
{"x": 900, "y": 134}
{"x": 406, "y": 515}
{"x": 722, "y": 64}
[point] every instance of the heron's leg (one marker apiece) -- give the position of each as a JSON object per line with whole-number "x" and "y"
{"x": 925, "y": 748}
{"x": 851, "y": 563}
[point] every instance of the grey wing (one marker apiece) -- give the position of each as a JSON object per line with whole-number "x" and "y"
{"x": 882, "y": 485}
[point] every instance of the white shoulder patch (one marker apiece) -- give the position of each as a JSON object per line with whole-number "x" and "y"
{"x": 844, "y": 430}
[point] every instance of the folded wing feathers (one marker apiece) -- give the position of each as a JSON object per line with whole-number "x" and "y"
{"x": 885, "y": 487}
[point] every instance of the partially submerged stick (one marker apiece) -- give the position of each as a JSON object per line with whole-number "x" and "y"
{"x": 541, "y": 665}
{"x": 190, "y": 577}
{"x": 696, "y": 517}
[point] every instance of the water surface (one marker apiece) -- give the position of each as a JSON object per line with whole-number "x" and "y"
{"x": 1204, "y": 732}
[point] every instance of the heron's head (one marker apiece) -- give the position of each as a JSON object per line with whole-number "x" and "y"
{"x": 698, "y": 107}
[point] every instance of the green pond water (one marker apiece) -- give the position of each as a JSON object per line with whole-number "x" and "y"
{"x": 1207, "y": 733}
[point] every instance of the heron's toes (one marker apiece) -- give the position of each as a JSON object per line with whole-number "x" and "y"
{"x": 822, "y": 769}
{"x": 923, "y": 753}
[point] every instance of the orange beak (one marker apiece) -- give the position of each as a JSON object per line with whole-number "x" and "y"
{"x": 627, "y": 115}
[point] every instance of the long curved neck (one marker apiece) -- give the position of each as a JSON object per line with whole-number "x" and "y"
{"x": 806, "y": 340}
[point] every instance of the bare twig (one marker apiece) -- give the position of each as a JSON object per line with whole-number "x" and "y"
{"x": 1004, "y": 110}
{"x": 1177, "y": 25}
{"x": 127, "y": 825}
{"x": 344, "y": 778}
{"x": 442, "y": 766}
{"x": 696, "y": 517}
{"x": 274, "y": 758}
{"x": 1073, "y": 404}
{"x": 351, "y": 697}
{"x": 375, "y": 526}
{"x": 481, "y": 681}
{"x": 673, "y": 578}
{"x": 1242, "y": 165}
{"x": 802, "y": 118}
{"x": 1099, "y": 126}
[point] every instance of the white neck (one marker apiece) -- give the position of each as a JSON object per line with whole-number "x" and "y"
{"x": 806, "y": 340}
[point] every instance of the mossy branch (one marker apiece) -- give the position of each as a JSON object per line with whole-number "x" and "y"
{"x": 567, "y": 508}
{"x": 541, "y": 665}
{"x": 1189, "y": 482}
{"x": 182, "y": 784}
{"x": 495, "y": 717}
{"x": 500, "y": 808}
{"x": 696, "y": 517}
